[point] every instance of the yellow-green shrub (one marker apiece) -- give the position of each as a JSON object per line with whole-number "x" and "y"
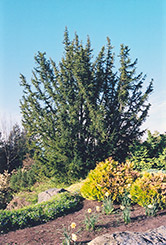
{"x": 111, "y": 177}
{"x": 150, "y": 188}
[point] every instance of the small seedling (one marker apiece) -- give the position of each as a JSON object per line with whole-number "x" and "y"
{"x": 107, "y": 205}
{"x": 151, "y": 209}
{"x": 90, "y": 220}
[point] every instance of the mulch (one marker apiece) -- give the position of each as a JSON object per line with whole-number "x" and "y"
{"x": 53, "y": 231}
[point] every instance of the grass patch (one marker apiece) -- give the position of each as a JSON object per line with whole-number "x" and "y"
{"x": 75, "y": 187}
{"x": 31, "y": 195}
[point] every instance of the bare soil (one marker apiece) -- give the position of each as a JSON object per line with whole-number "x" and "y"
{"x": 53, "y": 231}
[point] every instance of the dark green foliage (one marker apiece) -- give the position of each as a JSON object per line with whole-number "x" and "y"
{"x": 155, "y": 143}
{"x": 13, "y": 149}
{"x": 40, "y": 213}
{"x": 160, "y": 162}
{"x": 5, "y": 191}
{"x": 2, "y": 160}
{"x": 82, "y": 111}
{"x": 151, "y": 153}
{"x": 22, "y": 179}
{"x": 5, "y": 198}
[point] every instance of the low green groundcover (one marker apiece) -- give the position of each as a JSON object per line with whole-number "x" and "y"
{"x": 40, "y": 213}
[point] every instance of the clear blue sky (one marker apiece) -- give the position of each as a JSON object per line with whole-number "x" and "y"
{"x": 38, "y": 25}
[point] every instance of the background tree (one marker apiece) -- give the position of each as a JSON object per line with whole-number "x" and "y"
{"x": 82, "y": 111}
{"x": 13, "y": 149}
{"x": 151, "y": 153}
{"x": 2, "y": 156}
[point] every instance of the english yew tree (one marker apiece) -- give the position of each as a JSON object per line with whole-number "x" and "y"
{"x": 83, "y": 110}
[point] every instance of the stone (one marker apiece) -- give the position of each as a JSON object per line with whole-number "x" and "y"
{"x": 155, "y": 236}
{"x": 47, "y": 195}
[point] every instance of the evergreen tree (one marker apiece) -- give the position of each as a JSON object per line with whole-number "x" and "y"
{"x": 81, "y": 111}
{"x": 151, "y": 153}
{"x": 2, "y": 156}
{"x": 13, "y": 149}
{"x": 151, "y": 148}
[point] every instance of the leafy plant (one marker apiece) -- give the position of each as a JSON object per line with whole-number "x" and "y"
{"x": 68, "y": 235}
{"x": 22, "y": 179}
{"x": 125, "y": 206}
{"x": 126, "y": 213}
{"x": 40, "y": 213}
{"x": 151, "y": 209}
{"x": 149, "y": 187}
{"x": 150, "y": 154}
{"x": 111, "y": 177}
{"x": 90, "y": 220}
{"x": 107, "y": 206}
{"x": 160, "y": 162}
{"x": 126, "y": 198}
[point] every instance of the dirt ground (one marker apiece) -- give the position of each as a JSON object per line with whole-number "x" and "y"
{"x": 53, "y": 231}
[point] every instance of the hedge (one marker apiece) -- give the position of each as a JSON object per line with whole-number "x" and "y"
{"x": 39, "y": 213}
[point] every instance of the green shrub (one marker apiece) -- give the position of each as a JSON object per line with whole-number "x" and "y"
{"x": 160, "y": 162}
{"x": 22, "y": 179}
{"x": 150, "y": 188}
{"x": 143, "y": 164}
{"x": 111, "y": 177}
{"x": 151, "y": 163}
{"x": 150, "y": 154}
{"x": 5, "y": 192}
{"x": 36, "y": 214}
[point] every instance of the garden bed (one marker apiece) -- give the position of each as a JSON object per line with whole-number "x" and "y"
{"x": 52, "y": 232}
